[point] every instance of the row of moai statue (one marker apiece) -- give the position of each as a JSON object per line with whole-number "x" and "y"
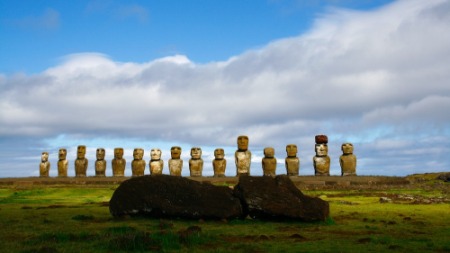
{"x": 243, "y": 158}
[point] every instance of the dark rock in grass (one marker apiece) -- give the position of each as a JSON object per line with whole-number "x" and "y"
{"x": 175, "y": 197}
{"x": 444, "y": 177}
{"x": 278, "y": 199}
{"x": 46, "y": 249}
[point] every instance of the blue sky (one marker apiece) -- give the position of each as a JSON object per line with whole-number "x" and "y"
{"x": 199, "y": 73}
{"x": 143, "y": 30}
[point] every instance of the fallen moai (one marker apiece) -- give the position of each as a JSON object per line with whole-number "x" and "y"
{"x": 278, "y": 199}
{"x": 264, "y": 198}
{"x": 173, "y": 196}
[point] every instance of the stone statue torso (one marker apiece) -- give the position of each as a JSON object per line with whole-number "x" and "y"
{"x": 348, "y": 165}
{"x": 219, "y": 167}
{"x": 62, "y": 168}
{"x": 81, "y": 165}
{"x": 156, "y": 167}
{"x": 175, "y": 167}
{"x": 292, "y": 166}
{"x": 322, "y": 165}
{"x": 138, "y": 167}
{"x": 196, "y": 167}
{"x": 118, "y": 166}
{"x": 100, "y": 168}
{"x": 243, "y": 161}
{"x": 269, "y": 166}
{"x": 44, "y": 169}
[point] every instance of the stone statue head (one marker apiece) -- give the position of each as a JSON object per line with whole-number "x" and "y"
{"x": 62, "y": 154}
{"x": 196, "y": 153}
{"x": 291, "y": 150}
{"x": 81, "y": 152}
{"x": 44, "y": 157}
{"x": 175, "y": 152}
{"x": 269, "y": 152}
{"x": 155, "y": 154}
{"x": 219, "y": 153}
{"x": 141, "y": 153}
{"x": 136, "y": 154}
{"x": 100, "y": 153}
{"x": 321, "y": 149}
{"x": 242, "y": 142}
{"x": 118, "y": 153}
{"x": 347, "y": 148}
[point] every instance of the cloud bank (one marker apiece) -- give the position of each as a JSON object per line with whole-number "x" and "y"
{"x": 379, "y": 79}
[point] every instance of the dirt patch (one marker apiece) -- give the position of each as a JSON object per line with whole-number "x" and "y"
{"x": 364, "y": 240}
{"x": 51, "y": 207}
{"x": 296, "y": 237}
{"x": 412, "y": 199}
{"x": 391, "y": 198}
{"x": 105, "y": 203}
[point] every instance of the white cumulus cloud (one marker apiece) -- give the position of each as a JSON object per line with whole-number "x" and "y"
{"x": 377, "y": 78}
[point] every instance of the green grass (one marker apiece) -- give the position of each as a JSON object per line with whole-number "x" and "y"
{"x": 77, "y": 219}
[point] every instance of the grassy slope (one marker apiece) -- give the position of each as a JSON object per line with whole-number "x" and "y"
{"x": 77, "y": 219}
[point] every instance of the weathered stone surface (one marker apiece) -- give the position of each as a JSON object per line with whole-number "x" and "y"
{"x": 138, "y": 164}
{"x": 118, "y": 163}
{"x": 175, "y": 163}
{"x": 321, "y": 161}
{"x": 269, "y": 162}
{"x": 219, "y": 163}
{"x": 44, "y": 166}
{"x": 63, "y": 164}
{"x": 242, "y": 156}
{"x": 196, "y": 162}
{"x": 156, "y": 164}
{"x": 169, "y": 196}
{"x": 81, "y": 163}
{"x": 100, "y": 163}
{"x": 292, "y": 162}
{"x": 347, "y": 160}
{"x": 278, "y": 198}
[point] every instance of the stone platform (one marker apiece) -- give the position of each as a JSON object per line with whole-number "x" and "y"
{"x": 302, "y": 182}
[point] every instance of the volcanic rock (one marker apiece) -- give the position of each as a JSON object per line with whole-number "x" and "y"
{"x": 278, "y": 199}
{"x": 444, "y": 177}
{"x": 175, "y": 197}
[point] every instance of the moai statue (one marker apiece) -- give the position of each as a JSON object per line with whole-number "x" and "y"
{"x": 100, "y": 163}
{"x": 243, "y": 156}
{"x": 156, "y": 164}
{"x": 321, "y": 160}
{"x": 175, "y": 163}
{"x": 219, "y": 162}
{"x": 269, "y": 162}
{"x": 63, "y": 164}
{"x": 81, "y": 163}
{"x": 44, "y": 166}
{"x": 347, "y": 160}
{"x": 138, "y": 163}
{"x": 118, "y": 163}
{"x": 292, "y": 162}
{"x": 196, "y": 162}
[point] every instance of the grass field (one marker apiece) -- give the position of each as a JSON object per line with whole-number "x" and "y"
{"x": 76, "y": 219}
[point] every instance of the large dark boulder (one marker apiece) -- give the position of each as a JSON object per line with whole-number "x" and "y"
{"x": 278, "y": 199}
{"x": 176, "y": 197}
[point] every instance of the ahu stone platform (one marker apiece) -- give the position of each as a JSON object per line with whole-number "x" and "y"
{"x": 302, "y": 182}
